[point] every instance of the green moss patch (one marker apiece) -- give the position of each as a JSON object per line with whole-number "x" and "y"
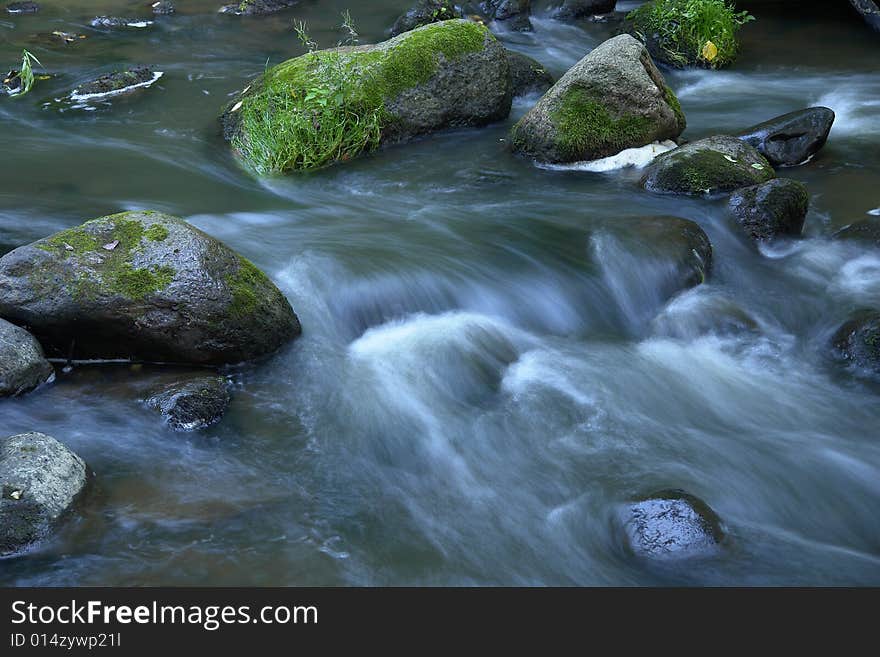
{"x": 246, "y": 285}
{"x": 584, "y": 125}
{"x": 691, "y": 32}
{"x": 328, "y": 106}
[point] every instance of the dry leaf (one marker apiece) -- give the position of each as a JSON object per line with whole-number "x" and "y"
{"x": 112, "y": 245}
{"x": 16, "y": 494}
{"x": 236, "y": 107}
{"x": 710, "y": 51}
{"x": 67, "y": 247}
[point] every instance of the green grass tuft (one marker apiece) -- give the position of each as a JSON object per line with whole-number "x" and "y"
{"x": 682, "y": 28}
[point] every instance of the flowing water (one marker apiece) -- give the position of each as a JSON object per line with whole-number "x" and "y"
{"x": 487, "y": 373}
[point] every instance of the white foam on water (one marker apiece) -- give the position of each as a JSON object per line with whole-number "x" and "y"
{"x": 875, "y": 212}
{"x": 630, "y": 157}
{"x": 116, "y": 92}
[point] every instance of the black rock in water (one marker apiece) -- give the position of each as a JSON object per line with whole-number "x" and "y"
{"x": 672, "y": 524}
{"x": 23, "y": 366}
{"x": 869, "y": 10}
{"x": 863, "y": 231}
{"x": 41, "y": 480}
{"x": 792, "y": 138}
{"x": 116, "y": 82}
{"x": 513, "y": 14}
{"x": 163, "y": 8}
{"x": 257, "y": 7}
{"x": 857, "y": 342}
{"x": 574, "y": 9}
{"x": 528, "y": 75}
{"x": 194, "y": 404}
{"x": 774, "y": 208}
{"x": 114, "y": 22}
{"x": 23, "y": 8}
{"x": 425, "y": 12}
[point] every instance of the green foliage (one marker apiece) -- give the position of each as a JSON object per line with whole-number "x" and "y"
{"x": 329, "y": 105}
{"x": 26, "y": 74}
{"x": 584, "y": 125}
{"x": 691, "y": 31}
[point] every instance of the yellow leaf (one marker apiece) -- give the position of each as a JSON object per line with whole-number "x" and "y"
{"x": 710, "y": 51}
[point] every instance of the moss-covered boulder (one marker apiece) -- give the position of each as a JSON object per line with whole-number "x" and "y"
{"x": 708, "y": 166}
{"x": 23, "y": 365}
{"x": 792, "y": 138}
{"x": 192, "y": 404}
{"x": 143, "y": 286}
{"x": 574, "y": 9}
{"x": 41, "y": 481}
{"x": 857, "y": 343}
{"x": 425, "y": 12}
{"x": 528, "y": 75}
{"x": 672, "y": 524}
{"x": 332, "y": 105}
{"x": 864, "y": 231}
{"x": 513, "y": 14}
{"x": 116, "y": 83}
{"x": 771, "y": 209}
{"x": 613, "y": 99}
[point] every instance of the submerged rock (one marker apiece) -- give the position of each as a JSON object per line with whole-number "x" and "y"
{"x": 23, "y": 8}
{"x": 425, "y": 12}
{"x": 574, "y": 9}
{"x": 23, "y": 366}
{"x": 672, "y": 524}
{"x": 143, "y": 286}
{"x": 513, "y": 14}
{"x": 792, "y": 138}
{"x": 857, "y": 342}
{"x": 194, "y": 404}
{"x": 114, "y": 22}
{"x": 774, "y": 208}
{"x": 708, "y": 166}
{"x": 163, "y": 8}
{"x": 869, "y": 10}
{"x": 58, "y": 37}
{"x": 257, "y": 7}
{"x": 41, "y": 481}
{"x": 863, "y": 231}
{"x": 448, "y": 74}
{"x": 611, "y": 100}
{"x": 117, "y": 82}
{"x": 528, "y": 75}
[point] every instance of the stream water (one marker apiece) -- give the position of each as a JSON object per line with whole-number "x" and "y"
{"x": 486, "y": 374}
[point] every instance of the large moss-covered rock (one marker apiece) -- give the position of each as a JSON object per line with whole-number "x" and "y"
{"x": 425, "y": 12}
{"x": 143, "y": 286}
{"x": 528, "y": 75}
{"x": 776, "y": 207}
{"x": 857, "y": 343}
{"x": 613, "y": 99}
{"x": 23, "y": 366}
{"x": 672, "y": 524}
{"x": 792, "y": 138}
{"x": 332, "y": 105}
{"x": 708, "y": 166}
{"x": 41, "y": 480}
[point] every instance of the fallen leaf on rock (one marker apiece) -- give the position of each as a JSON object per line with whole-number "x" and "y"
{"x": 67, "y": 247}
{"x": 112, "y": 245}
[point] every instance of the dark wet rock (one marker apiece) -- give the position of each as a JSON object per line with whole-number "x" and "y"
{"x": 513, "y": 14}
{"x": 116, "y": 23}
{"x": 528, "y": 75}
{"x": 857, "y": 342}
{"x": 193, "y": 404}
{"x": 59, "y": 38}
{"x": 672, "y": 524}
{"x": 611, "y": 100}
{"x": 709, "y": 166}
{"x": 116, "y": 82}
{"x": 776, "y": 207}
{"x": 163, "y": 8}
{"x": 574, "y": 9}
{"x": 143, "y": 286}
{"x": 12, "y": 82}
{"x": 863, "y": 231}
{"x": 869, "y": 10}
{"x": 23, "y": 8}
{"x": 41, "y": 482}
{"x": 465, "y": 81}
{"x": 257, "y": 7}
{"x": 425, "y": 12}
{"x": 703, "y": 311}
{"x": 23, "y": 366}
{"x": 792, "y": 138}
